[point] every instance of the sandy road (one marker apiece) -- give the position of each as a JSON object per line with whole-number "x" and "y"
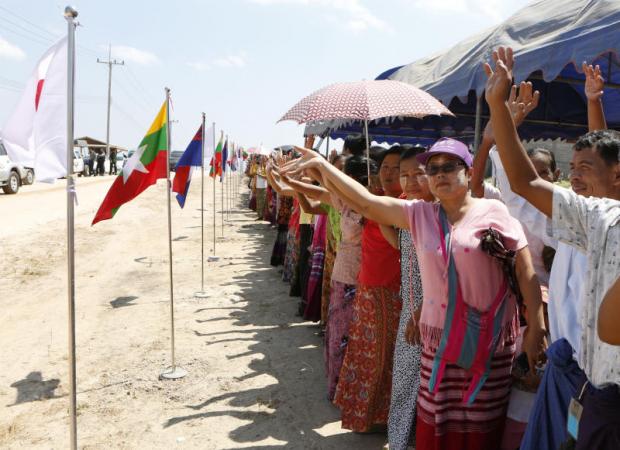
{"x": 255, "y": 371}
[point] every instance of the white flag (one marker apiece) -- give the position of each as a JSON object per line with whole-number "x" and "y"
{"x": 208, "y": 150}
{"x": 36, "y": 133}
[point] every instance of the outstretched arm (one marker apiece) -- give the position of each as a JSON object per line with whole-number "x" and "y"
{"x": 521, "y": 173}
{"x": 309, "y": 206}
{"x": 594, "y": 94}
{"x": 310, "y": 190}
{"x": 278, "y": 187}
{"x": 385, "y": 210}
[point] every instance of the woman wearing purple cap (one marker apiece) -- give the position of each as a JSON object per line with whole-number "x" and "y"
{"x": 473, "y": 260}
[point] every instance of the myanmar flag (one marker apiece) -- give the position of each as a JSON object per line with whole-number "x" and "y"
{"x": 142, "y": 170}
{"x": 216, "y": 161}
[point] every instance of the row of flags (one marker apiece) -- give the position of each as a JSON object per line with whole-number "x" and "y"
{"x": 149, "y": 163}
{"x": 35, "y": 136}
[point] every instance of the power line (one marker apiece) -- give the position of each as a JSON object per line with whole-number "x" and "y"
{"x": 148, "y": 96}
{"x": 24, "y": 19}
{"x": 139, "y": 103}
{"x": 127, "y": 115}
{"x": 41, "y": 36}
{"x": 31, "y": 38}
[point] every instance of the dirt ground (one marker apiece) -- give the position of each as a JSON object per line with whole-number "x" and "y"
{"x": 256, "y": 377}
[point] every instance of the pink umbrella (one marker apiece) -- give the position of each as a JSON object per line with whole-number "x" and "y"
{"x": 365, "y": 100}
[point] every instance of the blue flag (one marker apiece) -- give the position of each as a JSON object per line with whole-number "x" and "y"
{"x": 224, "y": 159}
{"x": 190, "y": 159}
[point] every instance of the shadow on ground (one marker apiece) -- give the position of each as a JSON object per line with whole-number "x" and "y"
{"x": 34, "y": 388}
{"x": 296, "y": 405}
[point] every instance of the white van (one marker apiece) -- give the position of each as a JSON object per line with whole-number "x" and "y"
{"x": 11, "y": 174}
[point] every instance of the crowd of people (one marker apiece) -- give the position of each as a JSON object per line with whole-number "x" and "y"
{"x": 96, "y": 162}
{"x": 457, "y": 314}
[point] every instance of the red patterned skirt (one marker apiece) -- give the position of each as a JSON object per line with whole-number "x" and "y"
{"x": 444, "y": 422}
{"x": 365, "y": 383}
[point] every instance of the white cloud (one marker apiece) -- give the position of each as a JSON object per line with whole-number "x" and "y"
{"x": 132, "y": 54}
{"x": 493, "y": 9}
{"x": 234, "y": 61}
{"x": 237, "y": 60}
{"x": 357, "y": 17}
{"x": 199, "y": 66}
{"x": 11, "y": 51}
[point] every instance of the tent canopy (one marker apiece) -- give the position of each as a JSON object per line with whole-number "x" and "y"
{"x": 550, "y": 39}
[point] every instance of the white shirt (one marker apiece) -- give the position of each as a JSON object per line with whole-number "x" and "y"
{"x": 261, "y": 182}
{"x": 592, "y": 225}
{"x": 568, "y": 272}
{"x": 566, "y": 294}
{"x": 534, "y": 222}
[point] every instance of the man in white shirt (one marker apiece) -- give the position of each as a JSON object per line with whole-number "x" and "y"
{"x": 587, "y": 223}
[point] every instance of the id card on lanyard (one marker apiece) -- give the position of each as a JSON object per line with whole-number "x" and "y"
{"x": 575, "y": 410}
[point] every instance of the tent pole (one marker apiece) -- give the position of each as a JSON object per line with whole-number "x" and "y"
{"x": 367, "y": 149}
{"x": 327, "y": 148}
{"x": 478, "y": 123}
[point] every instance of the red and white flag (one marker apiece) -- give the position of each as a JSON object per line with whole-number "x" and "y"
{"x": 36, "y": 133}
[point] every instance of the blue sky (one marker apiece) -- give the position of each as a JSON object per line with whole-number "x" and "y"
{"x": 243, "y": 62}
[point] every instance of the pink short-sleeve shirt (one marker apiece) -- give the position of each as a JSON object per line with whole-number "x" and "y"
{"x": 480, "y": 276}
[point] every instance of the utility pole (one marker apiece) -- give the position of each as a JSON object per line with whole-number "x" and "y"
{"x": 110, "y": 62}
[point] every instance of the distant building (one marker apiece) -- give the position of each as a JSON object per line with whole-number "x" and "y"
{"x": 96, "y": 144}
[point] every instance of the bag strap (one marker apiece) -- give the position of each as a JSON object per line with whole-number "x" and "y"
{"x": 453, "y": 288}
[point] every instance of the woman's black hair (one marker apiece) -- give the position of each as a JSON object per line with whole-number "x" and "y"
{"x": 376, "y": 153}
{"x": 393, "y": 150}
{"x": 543, "y": 151}
{"x": 355, "y": 144}
{"x": 357, "y": 168}
{"x": 411, "y": 151}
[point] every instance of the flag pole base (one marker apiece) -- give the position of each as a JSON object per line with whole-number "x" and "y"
{"x": 201, "y": 294}
{"x": 173, "y": 373}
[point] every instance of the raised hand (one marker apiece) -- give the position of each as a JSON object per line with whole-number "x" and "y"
{"x": 500, "y": 77}
{"x": 524, "y": 103}
{"x": 594, "y": 82}
{"x": 309, "y": 159}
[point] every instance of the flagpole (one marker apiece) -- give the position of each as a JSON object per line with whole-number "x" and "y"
{"x": 229, "y": 178}
{"x": 173, "y": 372}
{"x": 228, "y": 187}
{"x": 214, "y": 196}
{"x": 202, "y": 293}
{"x": 223, "y": 186}
{"x": 70, "y": 15}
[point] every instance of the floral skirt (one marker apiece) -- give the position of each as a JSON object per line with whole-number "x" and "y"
{"x": 279, "y": 246}
{"x": 313, "y": 291}
{"x": 261, "y": 195}
{"x": 337, "y": 331}
{"x": 252, "y": 204}
{"x": 405, "y": 385}
{"x": 365, "y": 383}
{"x": 289, "y": 256}
{"x": 330, "y": 258}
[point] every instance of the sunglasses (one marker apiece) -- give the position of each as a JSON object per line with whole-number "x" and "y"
{"x": 449, "y": 167}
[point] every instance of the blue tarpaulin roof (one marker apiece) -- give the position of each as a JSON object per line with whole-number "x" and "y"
{"x": 550, "y": 39}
